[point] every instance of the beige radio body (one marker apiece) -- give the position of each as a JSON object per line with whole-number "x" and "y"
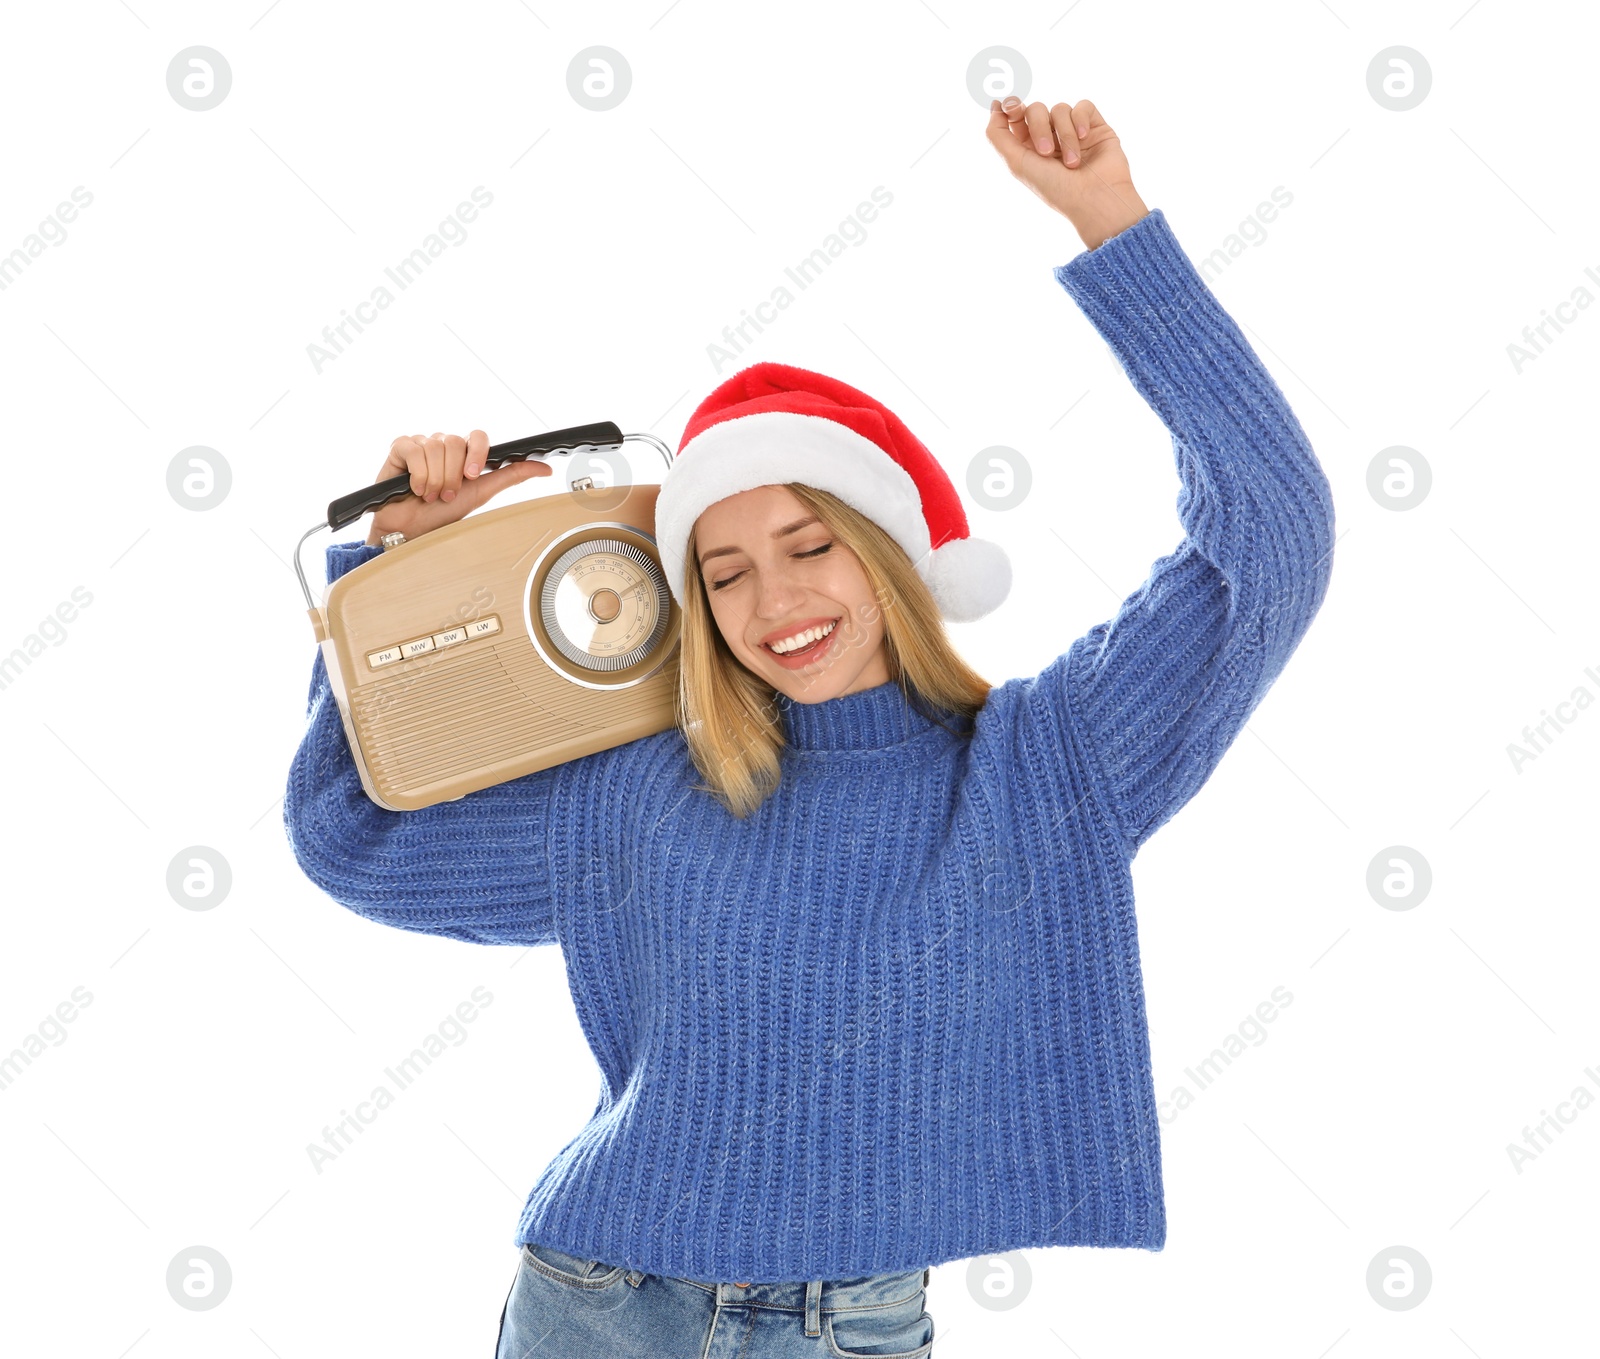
{"x": 512, "y": 640}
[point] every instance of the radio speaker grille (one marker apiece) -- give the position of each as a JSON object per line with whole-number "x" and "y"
{"x": 406, "y": 746}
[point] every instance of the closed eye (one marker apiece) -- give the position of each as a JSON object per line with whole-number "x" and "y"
{"x": 814, "y": 552}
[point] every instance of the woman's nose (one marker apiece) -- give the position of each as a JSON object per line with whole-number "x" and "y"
{"x": 778, "y": 596}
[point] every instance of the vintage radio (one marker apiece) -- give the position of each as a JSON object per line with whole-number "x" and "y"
{"x": 517, "y": 638}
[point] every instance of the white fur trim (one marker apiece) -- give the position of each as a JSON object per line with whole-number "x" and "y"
{"x": 969, "y": 577}
{"x": 772, "y": 447}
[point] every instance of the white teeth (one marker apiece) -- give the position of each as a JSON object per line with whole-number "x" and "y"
{"x": 801, "y": 639}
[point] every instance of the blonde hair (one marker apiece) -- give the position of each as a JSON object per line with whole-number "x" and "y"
{"x": 729, "y": 715}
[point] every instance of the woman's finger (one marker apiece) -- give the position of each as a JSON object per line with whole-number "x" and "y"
{"x": 395, "y": 460}
{"x": 1001, "y": 137}
{"x": 1066, "y": 134}
{"x": 1040, "y": 132}
{"x": 1086, "y": 117}
{"x": 409, "y": 453}
{"x": 416, "y": 456}
{"x": 477, "y": 451}
{"x": 434, "y": 448}
{"x": 1017, "y": 118}
{"x": 474, "y": 493}
{"x": 455, "y": 457}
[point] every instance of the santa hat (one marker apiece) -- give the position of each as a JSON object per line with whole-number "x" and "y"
{"x": 771, "y": 423}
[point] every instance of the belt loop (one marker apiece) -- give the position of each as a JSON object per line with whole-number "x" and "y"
{"x": 634, "y": 1277}
{"x": 926, "y": 1275}
{"x": 814, "y": 1307}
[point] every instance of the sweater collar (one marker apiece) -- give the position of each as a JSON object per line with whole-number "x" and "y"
{"x": 868, "y": 719}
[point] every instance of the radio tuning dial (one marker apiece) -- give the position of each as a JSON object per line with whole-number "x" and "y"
{"x": 605, "y": 604}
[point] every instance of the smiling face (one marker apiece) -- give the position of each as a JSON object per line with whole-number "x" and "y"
{"x": 774, "y": 573}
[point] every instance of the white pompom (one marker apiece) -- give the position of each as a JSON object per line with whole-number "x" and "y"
{"x": 968, "y": 578}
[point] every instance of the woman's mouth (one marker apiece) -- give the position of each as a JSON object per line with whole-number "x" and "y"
{"x": 793, "y": 660}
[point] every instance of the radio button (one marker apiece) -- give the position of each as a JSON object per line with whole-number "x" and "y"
{"x": 384, "y": 657}
{"x": 450, "y": 638}
{"x": 417, "y": 647}
{"x": 482, "y": 627}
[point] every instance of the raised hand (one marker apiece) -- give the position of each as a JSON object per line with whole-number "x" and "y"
{"x": 1070, "y": 157}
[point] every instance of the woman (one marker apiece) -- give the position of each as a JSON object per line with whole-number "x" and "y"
{"x": 854, "y": 944}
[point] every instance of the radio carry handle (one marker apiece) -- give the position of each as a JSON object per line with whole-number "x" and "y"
{"x": 603, "y": 434}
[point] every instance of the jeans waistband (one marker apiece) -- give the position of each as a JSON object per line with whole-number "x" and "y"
{"x": 829, "y": 1295}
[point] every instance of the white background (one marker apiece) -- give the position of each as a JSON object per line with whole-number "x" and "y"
{"x": 177, "y": 1108}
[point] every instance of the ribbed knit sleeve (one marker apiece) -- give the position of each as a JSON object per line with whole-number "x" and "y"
{"x": 475, "y": 869}
{"x": 1161, "y": 690}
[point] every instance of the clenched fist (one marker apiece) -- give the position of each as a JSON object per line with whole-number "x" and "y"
{"x": 1070, "y": 157}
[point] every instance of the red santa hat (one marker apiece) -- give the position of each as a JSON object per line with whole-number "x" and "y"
{"x": 772, "y": 423}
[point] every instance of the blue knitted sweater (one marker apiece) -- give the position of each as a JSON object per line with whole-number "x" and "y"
{"x": 896, "y": 1016}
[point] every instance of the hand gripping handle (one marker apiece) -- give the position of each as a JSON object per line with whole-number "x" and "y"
{"x": 603, "y": 434}
{"x": 348, "y": 508}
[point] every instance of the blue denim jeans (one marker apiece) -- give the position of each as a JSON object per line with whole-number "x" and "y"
{"x": 561, "y": 1307}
